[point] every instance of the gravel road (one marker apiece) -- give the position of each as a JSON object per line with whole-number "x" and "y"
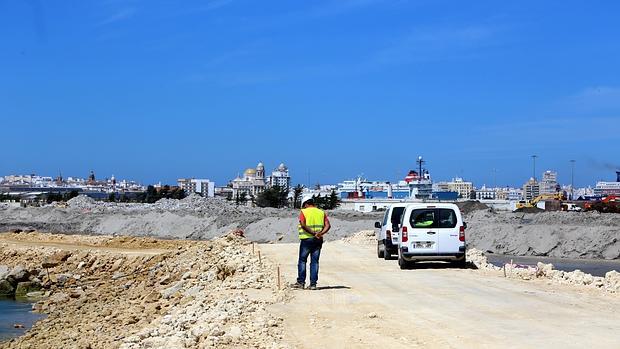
{"x": 367, "y": 302}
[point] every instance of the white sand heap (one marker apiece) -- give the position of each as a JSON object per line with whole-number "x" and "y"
{"x": 364, "y": 237}
{"x": 610, "y": 283}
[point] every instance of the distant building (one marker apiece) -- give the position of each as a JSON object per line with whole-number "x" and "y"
{"x": 608, "y": 188}
{"x": 549, "y": 183}
{"x": 460, "y": 186}
{"x": 33, "y": 185}
{"x": 280, "y": 177}
{"x": 204, "y": 187}
{"x": 515, "y": 194}
{"x": 485, "y": 193}
{"x": 252, "y": 183}
{"x": 531, "y": 189}
{"x": 441, "y": 186}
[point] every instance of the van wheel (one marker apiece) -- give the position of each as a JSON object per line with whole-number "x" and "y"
{"x": 402, "y": 263}
{"x": 380, "y": 250}
{"x": 387, "y": 255}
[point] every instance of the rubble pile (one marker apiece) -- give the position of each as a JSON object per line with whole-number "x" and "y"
{"x": 610, "y": 283}
{"x": 364, "y": 237}
{"x": 81, "y": 202}
{"x": 471, "y": 206}
{"x": 193, "y": 295}
{"x": 193, "y": 217}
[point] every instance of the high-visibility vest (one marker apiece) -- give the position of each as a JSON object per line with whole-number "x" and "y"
{"x": 315, "y": 220}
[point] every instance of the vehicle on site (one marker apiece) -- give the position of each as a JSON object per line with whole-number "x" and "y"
{"x": 571, "y": 207}
{"x": 610, "y": 203}
{"x": 431, "y": 232}
{"x": 542, "y": 197}
{"x": 387, "y": 236}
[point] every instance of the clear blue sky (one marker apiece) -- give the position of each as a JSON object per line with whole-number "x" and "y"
{"x": 156, "y": 90}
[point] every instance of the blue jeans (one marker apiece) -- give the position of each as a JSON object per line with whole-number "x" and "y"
{"x": 311, "y": 247}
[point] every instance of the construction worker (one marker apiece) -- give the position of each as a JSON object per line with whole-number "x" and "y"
{"x": 313, "y": 224}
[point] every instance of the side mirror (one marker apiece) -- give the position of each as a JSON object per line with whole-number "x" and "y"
{"x": 378, "y": 225}
{"x": 465, "y": 225}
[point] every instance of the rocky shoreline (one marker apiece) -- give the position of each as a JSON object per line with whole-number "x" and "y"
{"x": 111, "y": 292}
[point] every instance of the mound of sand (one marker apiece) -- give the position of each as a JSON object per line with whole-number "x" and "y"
{"x": 554, "y": 234}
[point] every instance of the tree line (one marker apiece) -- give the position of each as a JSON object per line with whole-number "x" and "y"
{"x": 278, "y": 197}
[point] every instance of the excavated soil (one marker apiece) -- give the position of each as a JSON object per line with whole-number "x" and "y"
{"x": 120, "y": 292}
{"x": 554, "y": 234}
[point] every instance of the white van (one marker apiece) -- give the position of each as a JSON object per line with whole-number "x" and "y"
{"x": 431, "y": 232}
{"x": 387, "y": 236}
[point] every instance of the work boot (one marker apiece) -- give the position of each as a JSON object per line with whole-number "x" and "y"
{"x": 312, "y": 288}
{"x": 298, "y": 286}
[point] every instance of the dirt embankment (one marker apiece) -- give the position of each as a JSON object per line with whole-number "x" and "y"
{"x": 554, "y": 234}
{"x": 139, "y": 292}
{"x": 191, "y": 218}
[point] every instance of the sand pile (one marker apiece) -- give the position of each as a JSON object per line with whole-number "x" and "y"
{"x": 81, "y": 201}
{"x": 610, "y": 283}
{"x": 471, "y": 206}
{"x": 194, "y": 217}
{"x": 554, "y": 234}
{"x": 364, "y": 237}
{"x": 199, "y": 294}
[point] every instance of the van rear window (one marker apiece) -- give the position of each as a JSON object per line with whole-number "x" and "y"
{"x": 433, "y": 218}
{"x": 424, "y": 218}
{"x": 396, "y": 213}
{"x": 447, "y": 218}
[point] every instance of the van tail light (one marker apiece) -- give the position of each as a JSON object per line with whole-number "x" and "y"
{"x": 405, "y": 235}
{"x": 462, "y": 233}
{"x": 388, "y": 234}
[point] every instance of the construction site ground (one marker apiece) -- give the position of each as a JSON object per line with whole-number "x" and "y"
{"x": 365, "y": 302}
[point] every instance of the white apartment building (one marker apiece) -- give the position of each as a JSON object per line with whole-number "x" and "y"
{"x": 549, "y": 182}
{"x": 531, "y": 189}
{"x": 204, "y": 187}
{"x": 280, "y": 177}
{"x": 485, "y": 193}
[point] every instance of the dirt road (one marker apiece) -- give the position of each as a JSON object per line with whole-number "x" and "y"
{"x": 367, "y": 302}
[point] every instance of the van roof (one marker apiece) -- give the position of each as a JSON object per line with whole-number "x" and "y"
{"x": 433, "y": 205}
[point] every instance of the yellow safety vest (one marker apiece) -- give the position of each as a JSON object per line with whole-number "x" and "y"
{"x": 315, "y": 220}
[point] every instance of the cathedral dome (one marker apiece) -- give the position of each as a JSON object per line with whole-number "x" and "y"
{"x": 250, "y": 172}
{"x": 282, "y": 167}
{"x": 260, "y": 166}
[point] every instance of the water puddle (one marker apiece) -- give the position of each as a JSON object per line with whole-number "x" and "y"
{"x": 15, "y": 312}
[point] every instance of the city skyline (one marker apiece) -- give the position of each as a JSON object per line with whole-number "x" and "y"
{"x": 156, "y": 90}
{"x": 564, "y": 179}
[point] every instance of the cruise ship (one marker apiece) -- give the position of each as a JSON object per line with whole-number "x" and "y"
{"x": 413, "y": 186}
{"x": 608, "y": 188}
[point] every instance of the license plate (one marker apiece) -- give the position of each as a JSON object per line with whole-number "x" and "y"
{"x": 423, "y": 244}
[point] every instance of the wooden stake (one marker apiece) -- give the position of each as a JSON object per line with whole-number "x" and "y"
{"x": 259, "y": 259}
{"x": 252, "y": 248}
{"x": 504, "y": 269}
{"x": 279, "y": 277}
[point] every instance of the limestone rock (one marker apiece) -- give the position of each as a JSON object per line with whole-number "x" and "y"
{"x": 4, "y": 271}
{"x": 26, "y": 287}
{"x": 6, "y": 288}
{"x": 19, "y": 274}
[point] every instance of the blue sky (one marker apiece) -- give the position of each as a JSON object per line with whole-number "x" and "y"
{"x": 156, "y": 90}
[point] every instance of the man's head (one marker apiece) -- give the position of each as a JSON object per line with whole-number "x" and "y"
{"x": 307, "y": 203}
